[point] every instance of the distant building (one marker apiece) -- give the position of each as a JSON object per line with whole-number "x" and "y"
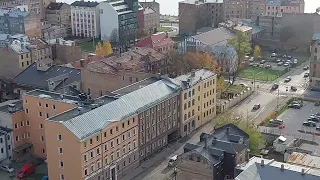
{"x": 215, "y": 156}
{"x": 160, "y": 42}
{"x": 257, "y": 7}
{"x": 315, "y": 66}
{"x": 65, "y": 51}
{"x": 122, "y": 70}
{"x": 150, "y": 20}
{"x": 85, "y": 19}
{"x": 154, "y": 6}
{"x": 277, "y": 8}
{"x": 236, "y": 9}
{"x": 20, "y": 22}
{"x": 59, "y": 14}
{"x": 6, "y": 144}
{"x": 194, "y": 15}
{"x": 122, "y": 21}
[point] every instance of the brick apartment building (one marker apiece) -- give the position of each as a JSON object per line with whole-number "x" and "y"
{"x": 278, "y": 8}
{"x": 315, "y": 65}
{"x": 196, "y": 14}
{"x": 59, "y": 14}
{"x": 154, "y": 6}
{"x": 112, "y": 73}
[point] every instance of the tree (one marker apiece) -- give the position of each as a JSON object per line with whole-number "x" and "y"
{"x": 257, "y": 52}
{"x": 104, "y": 49}
{"x": 221, "y": 84}
{"x": 241, "y": 45}
{"x": 242, "y": 122}
{"x": 318, "y": 10}
{"x": 286, "y": 33}
{"x": 114, "y": 37}
{"x": 57, "y": 62}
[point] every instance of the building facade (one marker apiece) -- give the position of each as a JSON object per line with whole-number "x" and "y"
{"x": 150, "y": 20}
{"x": 160, "y": 42}
{"x": 315, "y": 66}
{"x": 155, "y": 6}
{"x": 59, "y": 14}
{"x": 6, "y": 144}
{"x": 198, "y": 99}
{"x": 20, "y": 22}
{"x": 194, "y": 15}
{"x": 278, "y": 8}
{"x": 85, "y": 19}
{"x": 236, "y": 9}
{"x": 122, "y": 21}
{"x": 257, "y": 7}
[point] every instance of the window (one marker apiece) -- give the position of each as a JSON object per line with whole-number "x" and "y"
{"x": 41, "y": 138}
{"x": 41, "y": 126}
{"x": 39, "y": 103}
{"x": 98, "y": 151}
{"x": 60, "y": 150}
{"x": 16, "y": 126}
{"x": 1, "y": 140}
{"x": 28, "y": 123}
{"x": 43, "y": 151}
{"x": 185, "y": 95}
{"x": 40, "y": 114}
{"x": 90, "y": 141}
{"x": 111, "y": 144}
{"x": 85, "y": 144}
{"x": 91, "y": 154}
{"x": 17, "y": 138}
{"x": 59, "y": 137}
{"x": 97, "y": 138}
{"x": 47, "y": 115}
{"x": 85, "y": 158}
{"x": 61, "y": 164}
{"x": 47, "y": 105}
{"x": 122, "y": 125}
{"x": 85, "y": 172}
{"x": 53, "y": 107}
{"x": 27, "y": 111}
{"x": 21, "y": 123}
{"x": 111, "y": 131}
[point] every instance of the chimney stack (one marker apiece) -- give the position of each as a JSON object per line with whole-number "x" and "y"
{"x": 303, "y": 171}
{"x": 262, "y": 162}
{"x": 11, "y": 108}
{"x": 282, "y": 167}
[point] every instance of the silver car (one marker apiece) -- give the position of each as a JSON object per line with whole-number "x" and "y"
{"x": 7, "y": 168}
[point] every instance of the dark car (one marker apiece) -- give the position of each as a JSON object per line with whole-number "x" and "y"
{"x": 288, "y": 79}
{"x": 293, "y": 88}
{"x": 314, "y": 119}
{"x": 295, "y": 106}
{"x": 256, "y": 107}
{"x": 289, "y": 57}
{"x": 306, "y": 75}
{"x": 309, "y": 123}
{"x": 275, "y": 86}
{"x": 317, "y": 103}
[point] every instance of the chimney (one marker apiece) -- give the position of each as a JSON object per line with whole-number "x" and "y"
{"x": 11, "y": 108}
{"x": 81, "y": 62}
{"x": 303, "y": 171}
{"x": 282, "y": 167}
{"x": 228, "y": 130}
{"x": 262, "y": 162}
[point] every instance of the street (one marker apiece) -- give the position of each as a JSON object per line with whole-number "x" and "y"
{"x": 156, "y": 168}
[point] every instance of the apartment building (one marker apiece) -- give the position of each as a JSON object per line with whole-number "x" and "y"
{"x": 198, "y": 99}
{"x": 59, "y": 14}
{"x": 194, "y": 15}
{"x": 160, "y": 42}
{"x": 236, "y": 9}
{"x": 85, "y": 19}
{"x": 154, "y": 6}
{"x": 257, "y": 7}
{"x": 122, "y": 19}
{"x": 315, "y": 65}
{"x": 6, "y": 145}
{"x": 150, "y": 20}
{"x": 277, "y": 8}
{"x": 65, "y": 50}
{"x": 122, "y": 70}
{"x": 19, "y": 22}
{"x": 36, "y": 6}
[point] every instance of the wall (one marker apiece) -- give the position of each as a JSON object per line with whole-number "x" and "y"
{"x": 32, "y": 26}
{"x": 108, "y": 14}
{"x": 223, "y": 104}
{"x": 70, "y": 152}
{"x": 10, "y": 66}
{"x": 98, "y": 82}
{"x": 187, "y": 21}
{"x": 66, "y": 54}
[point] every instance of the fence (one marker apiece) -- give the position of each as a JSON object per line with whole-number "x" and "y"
{"x": 225, "y": 104}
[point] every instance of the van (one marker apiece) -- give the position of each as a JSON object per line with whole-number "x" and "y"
{"x": 172, "y": 161}
{"x": 26, "y": 170}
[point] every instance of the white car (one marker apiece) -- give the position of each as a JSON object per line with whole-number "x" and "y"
{"x": 243, "y": 85}
{"x": 7, "y": 168}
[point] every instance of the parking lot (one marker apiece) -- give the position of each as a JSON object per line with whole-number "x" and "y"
{"x": 293, "y": 119}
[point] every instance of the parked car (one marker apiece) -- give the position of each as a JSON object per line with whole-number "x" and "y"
{"x": 316, "y": 114}
{"x": 280, "y": 63}
{"x": 275, "y": 86}
{"x": 295, "y": 106}
{"x": 285, "y": 64}
{"x": 288, "y": 79}
{"x": 278, "y": 60}
{"x": 172, "y": 160}
{"x": 261, "y": 65}
{"x": 268, "y": 66}
{"x": 250, "y": 64}
{"x": 289, "y": 57}
{"x": 255, "y": 65}
{"x": 295, "y": 61}
{"x": 314, "y": 119}
{"x": 293, "y": 88}
{"x": 284, "y": 56}
{"x": 318, "y": 128}
{"x": 243, "y": 85}
{"x": 276, "y": 121}
{"x": 273, "y": 55}
{"x": 256, "y": 107}
{"x": 306, "y": 75}
{"x": 309, "y": 123}
{"x": 26, "y": 170}
{"x": 297, "y": 102}
{"x": 262, "y": 61}
{"x": 306, "y": 68}
{"x": 6, "y": 168}
{"x": 317, "y": 103}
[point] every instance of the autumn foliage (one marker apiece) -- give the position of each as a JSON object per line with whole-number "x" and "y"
{"x": 184, "y": 63}
{"x": 104, "y": 49}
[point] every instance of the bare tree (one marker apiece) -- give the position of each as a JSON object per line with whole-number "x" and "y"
{"x": 114, "y": 37}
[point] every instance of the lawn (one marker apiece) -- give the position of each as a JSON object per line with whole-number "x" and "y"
{"x": 261, "y": 74}
{"x": 88, "y": 46}
{"x": 163, "y": 29}
{"x": 235, "y": 89}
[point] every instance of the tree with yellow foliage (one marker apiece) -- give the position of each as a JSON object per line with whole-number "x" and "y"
{"x": 257, "y": 52}
{"x": 104, "y": 49}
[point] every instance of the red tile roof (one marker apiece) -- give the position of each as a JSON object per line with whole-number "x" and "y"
{"x": 87, "y": 60}
{"x": 155, "y": 40}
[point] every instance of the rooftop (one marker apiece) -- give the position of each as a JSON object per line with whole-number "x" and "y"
{"x": 136, "y": 86}
{"x": 130, "y": 60}
{"x": 88, "y": 123}
{"x": 55, "y": 6}
{"x": 85, "y": 4}
{"x": 303, "y": 159}
{"x": 155, "y": 40}
{"x": 316, "y": 36}
{"x": 19, "y": 47}
{"x": 13, "y": 13}
{"x": 190, "y": 80}
{"x": 4, "y": 106}
{"x": 28, "y": 76}
{"x": 198, "y": 2}
{"x": 243, "y": 28}
{"x": 215, "y": 36}
{"x": 53, "y": 96}
{"x": 5, "y": 129}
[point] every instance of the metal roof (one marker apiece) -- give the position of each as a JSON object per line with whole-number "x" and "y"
{"x": 215, "y": 36}
{"x": 200, "y": 75}
{"x": 303, "y": 159}
{"x": 90, "y": 123}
